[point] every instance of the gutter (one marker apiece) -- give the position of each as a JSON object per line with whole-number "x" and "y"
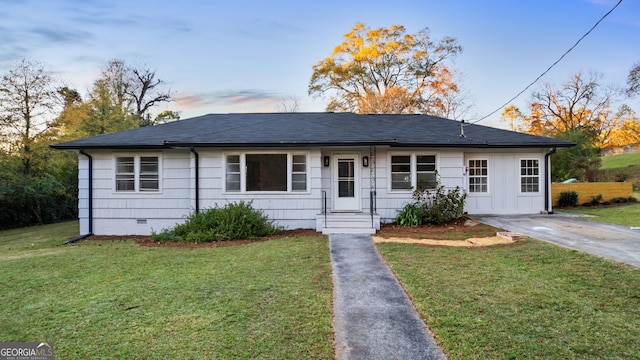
{"x": 547, "y": 181}
{"x": 197, "y": 177}
{"x": 81, "y": 237}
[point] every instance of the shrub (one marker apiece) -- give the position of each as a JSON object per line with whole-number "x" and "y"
{"x": 232, "y": 222}
{"x": 568, "y": 198}
{"x": 435, "y": 206}
{"x": 409, "y": 216}
{"x": 595, "y": 200}
{"x": 632, "y": 199}
{"x": 620, "y": 200}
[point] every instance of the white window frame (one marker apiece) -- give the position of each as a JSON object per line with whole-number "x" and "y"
{"x": 290, "y": 172}
{"x": 521, "y": 177}
{"x": 414, "y": 168}
{"x": 136, "y": 173}
{"x": 469, "y": 176}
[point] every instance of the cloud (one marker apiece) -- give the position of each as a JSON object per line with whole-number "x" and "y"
{"x": 246, "y": 96}
{"x": 267, "y": 30}
{"x": 61, "y": 36}
{"x": 229, "y": 101}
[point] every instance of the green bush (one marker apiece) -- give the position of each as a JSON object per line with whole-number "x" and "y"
{"x": 433, "y": 206}
{"x": 596, "y": 200}
{"x": 234, "y": 221}
{"x": 409, "y": 216}
{"x": 568, "y": 198}
{"x": 622, "y": 200}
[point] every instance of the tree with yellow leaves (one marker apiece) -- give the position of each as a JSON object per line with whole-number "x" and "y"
{"x": 386, "y": 70}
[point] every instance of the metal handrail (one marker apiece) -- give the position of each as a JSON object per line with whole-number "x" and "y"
{"x": 324, "y": 206}
{"x": 372, "y": 207}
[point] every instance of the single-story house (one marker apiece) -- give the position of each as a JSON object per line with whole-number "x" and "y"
{"x": 327, "y": 171}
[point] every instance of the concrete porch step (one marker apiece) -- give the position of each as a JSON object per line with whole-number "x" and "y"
{"x": 347, "y": 223}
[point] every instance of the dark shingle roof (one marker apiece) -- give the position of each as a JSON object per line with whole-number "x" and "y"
{"x": 299, "y": 129}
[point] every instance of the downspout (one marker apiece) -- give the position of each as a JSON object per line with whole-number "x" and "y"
{"x": 547, "y": 181}
{"x": 197, "y": 179}
{"x": 81, "y": 237}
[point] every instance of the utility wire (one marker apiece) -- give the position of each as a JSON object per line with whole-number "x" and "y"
{"x": 549, "y": 68}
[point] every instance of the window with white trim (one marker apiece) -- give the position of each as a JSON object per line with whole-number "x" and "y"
{"x": 413, "y": 171}
{"x": 233, "y": 173}
{"x": 137, "y": 173}
{"x": 400, "y": 172}
{"x": 478, "y": 175}
{"x": 266, "y": 172}
{"x": 426, "y": 171}
{"x": 529, "y": 175}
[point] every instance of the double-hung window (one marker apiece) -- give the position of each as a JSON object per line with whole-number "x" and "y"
{"x": 137, "y": 173}
{"x": 250, "y": 172}
{"x": 478, "y": 175}
{"x": 401, "y": 172}
{"x": 529, "y": 175}
{"x": 413, "y": 171}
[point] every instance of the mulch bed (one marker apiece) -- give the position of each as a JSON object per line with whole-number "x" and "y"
{"x": 148, "y": 241}
{"x": 386, "y": 230}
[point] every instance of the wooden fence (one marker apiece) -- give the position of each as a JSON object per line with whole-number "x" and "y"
{"x": 608, "y": 190}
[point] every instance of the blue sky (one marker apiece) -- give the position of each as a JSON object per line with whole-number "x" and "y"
{"x": 245, "y": 56}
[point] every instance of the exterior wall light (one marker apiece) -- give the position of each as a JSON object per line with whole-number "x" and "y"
{"x": 365, "y": 161}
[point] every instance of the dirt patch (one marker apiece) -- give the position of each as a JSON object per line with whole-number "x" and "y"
{"x": 470, "y": 242}
{"x": 458, "y": 233}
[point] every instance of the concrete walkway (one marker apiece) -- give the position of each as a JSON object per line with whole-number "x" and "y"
{"x": 614, "y": 242}
{"x": 373, "y": 317}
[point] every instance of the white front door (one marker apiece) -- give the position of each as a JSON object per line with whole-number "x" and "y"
{"x": 346, "y": 182}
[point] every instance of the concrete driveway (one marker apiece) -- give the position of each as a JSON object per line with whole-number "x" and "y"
{"x": 615, "y": 242}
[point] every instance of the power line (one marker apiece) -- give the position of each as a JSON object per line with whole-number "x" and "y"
{"x": 549, "y": 68}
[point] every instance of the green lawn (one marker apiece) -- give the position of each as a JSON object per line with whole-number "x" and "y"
{"x": 626, "y": 215}
{"x": 620, "y": 161}
{"x": 532, "y": 300}
{"x": 119, "y": 300}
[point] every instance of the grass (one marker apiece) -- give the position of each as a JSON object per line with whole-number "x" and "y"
{"x": 117, "y": 299}
{"x": 626, "y": 215}
{"x": 526, "y": 301}
{"x": 620, "y": 161}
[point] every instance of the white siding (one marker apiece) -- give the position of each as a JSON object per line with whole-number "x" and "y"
{"x": 121, "y": 213}
{"x": 504, "y": 195}
{"x": 126, "y": 213}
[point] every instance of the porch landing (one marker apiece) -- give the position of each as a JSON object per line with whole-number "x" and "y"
{"x": 347, "y": 223}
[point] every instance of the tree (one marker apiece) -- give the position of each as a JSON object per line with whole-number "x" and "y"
{"x": 579, "y": 161}
{"x": 291, "y": 103}
{"x": 633, "y": 80}
{"x": 166, "y": 116}
{"x": 512, "y": 116}
{"x": 580, "y": 103}
{"x": 28, "y": 102}
{"x": 386, "y": 70}
{"x": 135, "y": 90}
{"x": 144, "y": 88}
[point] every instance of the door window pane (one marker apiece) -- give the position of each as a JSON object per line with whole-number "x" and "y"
{"x": 346, "y": 178}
